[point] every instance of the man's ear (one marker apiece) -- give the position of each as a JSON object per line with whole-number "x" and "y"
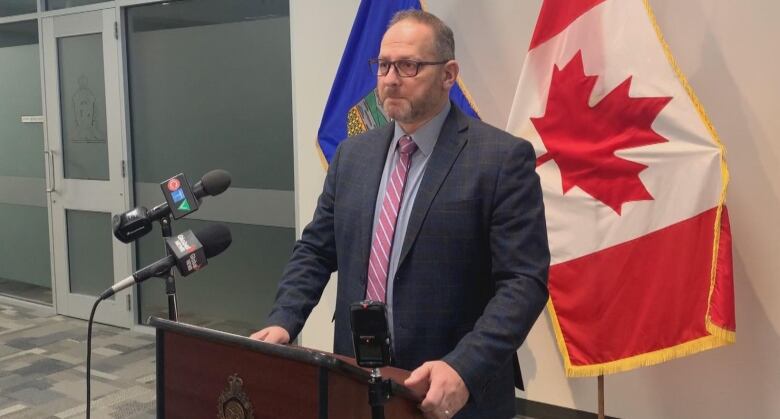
{"x": 451, "y": 70}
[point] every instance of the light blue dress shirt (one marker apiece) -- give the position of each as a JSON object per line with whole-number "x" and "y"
{"x": 425, "y": 138}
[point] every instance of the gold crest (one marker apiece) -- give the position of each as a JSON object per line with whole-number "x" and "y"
{"x": 233, "y": 402}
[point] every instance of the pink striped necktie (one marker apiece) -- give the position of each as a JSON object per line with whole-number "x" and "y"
{"x": 382, "y": 245}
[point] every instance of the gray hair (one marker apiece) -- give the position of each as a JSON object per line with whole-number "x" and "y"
{"x": 443, "y": 39}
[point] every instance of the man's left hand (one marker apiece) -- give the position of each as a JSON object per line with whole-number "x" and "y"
{"x": 445, "y": 392}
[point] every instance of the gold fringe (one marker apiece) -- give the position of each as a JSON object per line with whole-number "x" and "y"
{"x": 727, "y": 335}
{"x": 647, "y": 359}
{"x": 723, "y": 167}
{"x": 323, "y": 160}
{"x": 558, "y": 334}
{"x": 467, "y": 94}
{"x": 681, "y": 76}
{"x": 719, "y": 337}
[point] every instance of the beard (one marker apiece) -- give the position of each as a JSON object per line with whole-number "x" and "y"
{"x": 407, "y": 110}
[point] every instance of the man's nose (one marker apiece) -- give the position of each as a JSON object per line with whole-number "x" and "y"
{"x": 392, "y": 76}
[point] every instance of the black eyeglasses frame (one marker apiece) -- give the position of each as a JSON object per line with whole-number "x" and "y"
{"x": 374, "y": 66}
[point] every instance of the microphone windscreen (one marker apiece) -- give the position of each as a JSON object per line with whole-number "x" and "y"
{"x": 215, "y": 182}
{"x": 215, "y": 238}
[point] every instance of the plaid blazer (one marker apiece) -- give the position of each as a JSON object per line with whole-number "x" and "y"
{"x": 472, "y": 277}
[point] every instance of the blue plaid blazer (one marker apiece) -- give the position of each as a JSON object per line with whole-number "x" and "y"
{"x": 472, "y": 278}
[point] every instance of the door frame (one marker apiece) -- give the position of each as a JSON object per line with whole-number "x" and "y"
{"x": 90, "y": 195}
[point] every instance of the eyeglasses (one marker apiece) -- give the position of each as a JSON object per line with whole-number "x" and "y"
{"x": 404, "y": 68}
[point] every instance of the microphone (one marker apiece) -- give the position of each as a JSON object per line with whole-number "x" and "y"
{"x": 135, "y": 223}
{"x": 188, "y": 252}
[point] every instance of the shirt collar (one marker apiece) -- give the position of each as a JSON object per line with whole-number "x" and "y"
{"x": 427, "y": 135}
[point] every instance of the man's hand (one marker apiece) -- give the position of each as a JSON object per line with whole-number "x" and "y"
{"x": 445, "y": 392}
{"x": 272, "y": 334}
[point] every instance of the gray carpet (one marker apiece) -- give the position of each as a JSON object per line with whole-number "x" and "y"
{"x": 42, "y": 367}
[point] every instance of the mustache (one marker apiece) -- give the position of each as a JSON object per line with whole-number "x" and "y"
{"x": 389, "y": 94}
{"x": 388, "y": 90}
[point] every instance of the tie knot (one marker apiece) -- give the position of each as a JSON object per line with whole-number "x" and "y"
{"x": 407, "y": 145}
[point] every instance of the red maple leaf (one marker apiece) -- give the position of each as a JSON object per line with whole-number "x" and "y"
{"x": 583, "y": 139}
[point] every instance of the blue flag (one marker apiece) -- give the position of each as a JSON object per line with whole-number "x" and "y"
{"x": 352, "y": 106}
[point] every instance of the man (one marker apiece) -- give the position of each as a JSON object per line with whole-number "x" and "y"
{"x": 437, "y": 214}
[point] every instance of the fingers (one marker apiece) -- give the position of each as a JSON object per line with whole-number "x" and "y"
{"x": 446, "y": 393}
{"x": 259, "y": 335}
{"x": 421, "y": 374}
{"x": 434, "y": 396}
{"x": 419, "y": 381}
{"x": 434, "y": 399}
{"x": 272, "y": 334}
{"x": 438, "y": 414}
{"x": 433, "y": 404}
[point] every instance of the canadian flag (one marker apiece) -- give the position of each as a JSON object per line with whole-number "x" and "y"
{"x": 634, "y": 182}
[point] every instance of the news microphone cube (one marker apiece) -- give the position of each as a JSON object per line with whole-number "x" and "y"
{"x": 189, "y": 252}
{"x": 179, "y": 196}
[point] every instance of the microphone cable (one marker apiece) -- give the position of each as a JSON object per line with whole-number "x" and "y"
{"x": 89, "y": 353}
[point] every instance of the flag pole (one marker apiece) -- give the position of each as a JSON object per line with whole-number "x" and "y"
{"x": 601, "y": 396}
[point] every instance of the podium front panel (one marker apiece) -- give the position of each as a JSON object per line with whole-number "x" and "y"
{"x": 204, "y": 373}
{"x": 195, "y": 379}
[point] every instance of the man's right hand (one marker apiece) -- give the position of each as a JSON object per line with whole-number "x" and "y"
{"x": 272, "y": 334}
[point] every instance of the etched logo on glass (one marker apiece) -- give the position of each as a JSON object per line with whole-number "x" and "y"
{"x": 86, "y": 129}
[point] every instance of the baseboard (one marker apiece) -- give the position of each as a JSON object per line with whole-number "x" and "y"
{"x": 539, "y": 410}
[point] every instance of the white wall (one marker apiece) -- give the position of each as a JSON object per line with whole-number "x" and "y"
{"x": 727, "y": 49}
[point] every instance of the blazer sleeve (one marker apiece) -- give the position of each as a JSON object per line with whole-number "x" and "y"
{"x": 312, "y": 262}
{"x": 520, "y": 260}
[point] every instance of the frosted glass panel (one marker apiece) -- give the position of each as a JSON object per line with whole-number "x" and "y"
{"x": 210, "y": 87}
{"x": 235, "y": 291}
{"x": 25, "y": 268}
{"x": 83, "y": 107}
{"x": 17, "y": 7}
{"x": 90, "y": 254}
{"x": 61, "y": 4}
{"x": 21, "y": 144}
{"x": 222, "y": 100}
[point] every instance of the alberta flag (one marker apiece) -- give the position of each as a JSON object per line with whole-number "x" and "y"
{"x": 352, "y": 106}
{"x": 634, "y": 181}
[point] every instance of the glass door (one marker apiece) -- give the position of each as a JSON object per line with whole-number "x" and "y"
{"x": 86, "y": 180}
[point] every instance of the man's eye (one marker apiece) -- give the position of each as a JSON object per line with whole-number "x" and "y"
{"x": 407, "y": 65}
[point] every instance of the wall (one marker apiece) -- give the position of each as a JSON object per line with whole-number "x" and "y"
{"x": 727, "y": 51}
{"x": 318, "y": 33}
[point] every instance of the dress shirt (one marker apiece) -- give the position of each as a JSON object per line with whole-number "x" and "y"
{"x": 425, "y": 137}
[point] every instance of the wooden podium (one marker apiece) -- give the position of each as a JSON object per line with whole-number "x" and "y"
{"x": 204, "y": 373}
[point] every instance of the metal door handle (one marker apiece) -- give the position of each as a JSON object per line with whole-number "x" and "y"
{"x": 53, "y": 177}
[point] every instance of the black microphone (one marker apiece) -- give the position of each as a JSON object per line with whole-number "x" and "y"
{"x": 189, "y": 253}
{"x": 134, "y": 224}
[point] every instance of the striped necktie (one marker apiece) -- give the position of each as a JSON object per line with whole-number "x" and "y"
{"x": 382, "y": 244}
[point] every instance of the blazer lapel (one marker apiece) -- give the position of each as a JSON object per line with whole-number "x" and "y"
{"x": 374, "y": 162}
{"x": 451, "y": 141}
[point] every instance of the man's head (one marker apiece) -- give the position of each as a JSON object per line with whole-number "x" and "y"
{"x": 416, "y": 36}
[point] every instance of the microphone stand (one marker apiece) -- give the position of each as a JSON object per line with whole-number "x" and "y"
{"x": 170, "y": 280}
{"x": 379, "y": 391}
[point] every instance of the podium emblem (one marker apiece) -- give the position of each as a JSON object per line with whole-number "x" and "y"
{"x": 233, "y": 402}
